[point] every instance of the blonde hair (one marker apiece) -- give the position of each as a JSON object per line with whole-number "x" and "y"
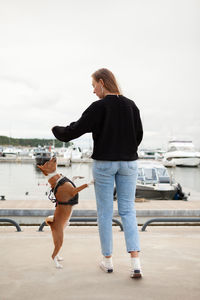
{"x": 110, "y": 82}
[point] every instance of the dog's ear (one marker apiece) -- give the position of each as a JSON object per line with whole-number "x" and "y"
{"x": 53, "y": 159}
{"x": 40, "y": 167}
{"x": 43, "y": 171}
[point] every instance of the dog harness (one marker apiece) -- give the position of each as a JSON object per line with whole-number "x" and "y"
{"x": 60, "y": 182}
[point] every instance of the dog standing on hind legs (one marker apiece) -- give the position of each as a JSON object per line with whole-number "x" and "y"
{"x": 66, "y": 195}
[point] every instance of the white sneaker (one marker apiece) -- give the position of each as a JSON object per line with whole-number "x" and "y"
{"x": 136, "y": 271}
{"x": 106, "y": 265}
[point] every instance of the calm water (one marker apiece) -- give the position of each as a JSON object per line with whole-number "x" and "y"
{"x": 17, "y": 179}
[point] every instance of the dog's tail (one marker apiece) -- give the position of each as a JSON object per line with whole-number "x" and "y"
{"x": 49, "y": 220}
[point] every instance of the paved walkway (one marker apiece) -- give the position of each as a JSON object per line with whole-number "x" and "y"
{"x": 91, "y": 204}
{"x": 170, "y": 258}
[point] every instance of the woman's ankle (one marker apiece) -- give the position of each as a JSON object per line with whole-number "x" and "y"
{"x": 134, "y": 253}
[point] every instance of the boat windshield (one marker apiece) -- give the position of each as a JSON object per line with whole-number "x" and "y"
{"x": 153, "y": 175}
{"x": 147, "y": 175}
{"x": 162, "y": 172}
{"x": 163, "y": 175}
{"x": 181, "y": 146}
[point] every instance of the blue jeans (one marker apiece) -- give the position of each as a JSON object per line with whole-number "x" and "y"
{"x": 124, "y": 174}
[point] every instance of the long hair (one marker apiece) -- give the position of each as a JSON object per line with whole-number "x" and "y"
{"x": 109, "y": 80}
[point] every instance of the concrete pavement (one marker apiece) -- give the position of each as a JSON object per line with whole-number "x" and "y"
{"x": 170, "y": 258}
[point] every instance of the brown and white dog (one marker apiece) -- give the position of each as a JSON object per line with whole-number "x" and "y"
{"x": 66, "y": 196}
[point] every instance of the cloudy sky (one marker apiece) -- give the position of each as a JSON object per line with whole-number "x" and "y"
{"x": 50, "y": 48}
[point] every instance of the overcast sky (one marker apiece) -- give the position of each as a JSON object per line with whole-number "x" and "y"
{"x": 50, "y": 48}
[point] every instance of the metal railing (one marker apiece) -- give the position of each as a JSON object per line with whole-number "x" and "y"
{"x": 197, "y": 220}
{"x": 89, "y": 219}
{"x": 12, "y": 222}
{"x": 76, "y": 219}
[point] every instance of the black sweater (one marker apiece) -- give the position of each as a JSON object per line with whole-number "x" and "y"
{"x": 115, "y": 125}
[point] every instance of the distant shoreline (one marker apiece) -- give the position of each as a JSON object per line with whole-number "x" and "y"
{"x": 6, "y": 141}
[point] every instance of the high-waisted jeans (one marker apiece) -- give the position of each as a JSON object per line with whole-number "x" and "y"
{"x": 124, "y": 175}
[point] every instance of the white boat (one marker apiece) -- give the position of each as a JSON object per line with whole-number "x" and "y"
{"x": 181, "y": 153}
{"x": 63, "y": 156}
{"x": 87, "y": 152}
{"x": 42, "y": 155}
{"x": 24, "y": 152}
{"x": 63, "y": 162}
{"x": 76, "y": 154}
{"x": 155, "y": 183}
{"x": 156, "y": 154}
{"x": 10, "y": 152}
{"x": 72, "y": 154}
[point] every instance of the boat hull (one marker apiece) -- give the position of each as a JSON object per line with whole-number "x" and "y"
{"x": 41, "y": 160}
{"x": 63, "y": 162}
{"x": 182, "y": 162}
{"x": 155, "y": 194}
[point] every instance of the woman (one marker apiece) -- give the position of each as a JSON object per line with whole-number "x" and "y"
{"x": 115, "y": 123}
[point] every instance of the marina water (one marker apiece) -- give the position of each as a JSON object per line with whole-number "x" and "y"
{"x": 24, "y": 181}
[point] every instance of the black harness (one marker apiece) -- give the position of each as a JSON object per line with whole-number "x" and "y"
{"x": 53, "y": 191}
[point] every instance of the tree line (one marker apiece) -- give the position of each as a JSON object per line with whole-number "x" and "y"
{"x": 5, "y": 140}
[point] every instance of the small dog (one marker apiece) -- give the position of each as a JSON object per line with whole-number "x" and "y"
{"x": 66, "y": 195}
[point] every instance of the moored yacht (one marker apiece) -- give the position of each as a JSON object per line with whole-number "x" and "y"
{"x": 156, "y": 154}
{"x": 155, "y": 183}
{"x": 10, "y": 152}
{"x": 42, "y": 155}
{"x": 63, "y": 156}
{"x": 181, "y": 153}
{"x": 76, "y": 154}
